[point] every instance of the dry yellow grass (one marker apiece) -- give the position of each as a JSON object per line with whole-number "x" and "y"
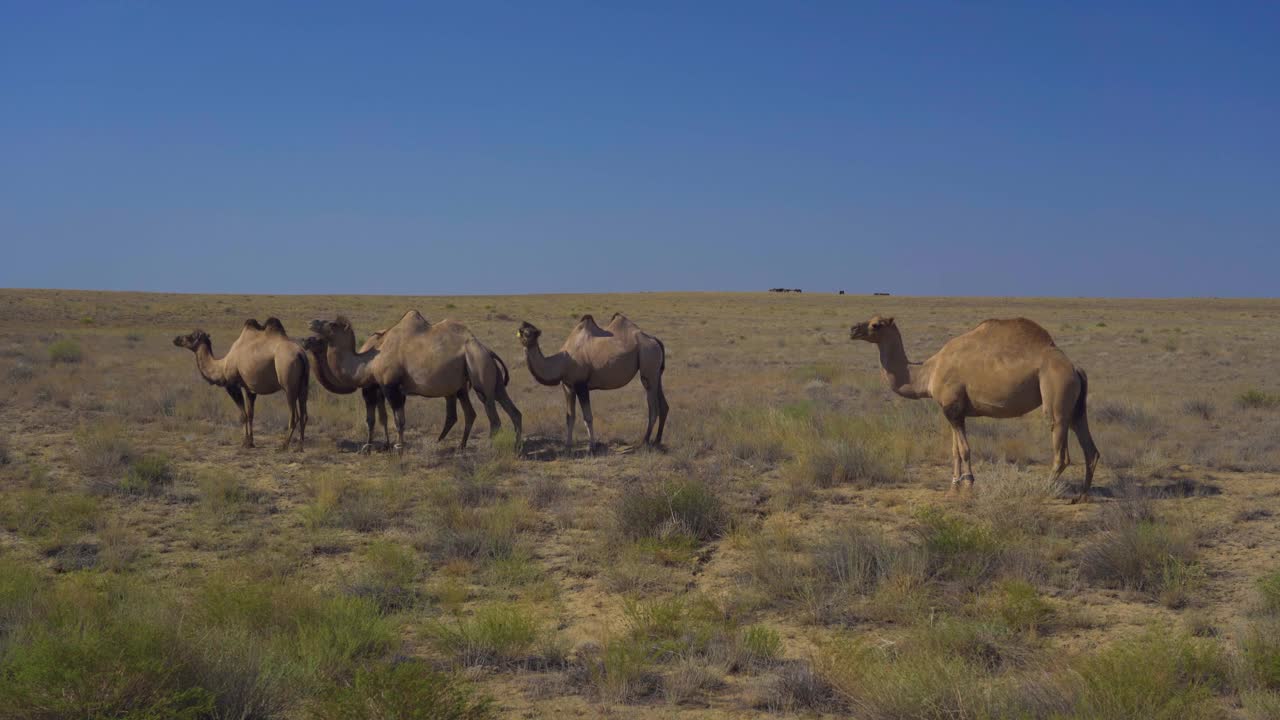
{"x": 788, "y": 470}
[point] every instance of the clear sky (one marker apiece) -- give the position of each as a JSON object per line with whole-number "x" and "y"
{"x": 975, "y": 148}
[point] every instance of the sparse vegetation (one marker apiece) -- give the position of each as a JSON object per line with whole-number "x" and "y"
{"x": 65, "y": 351}
{"x": 789, "y": 551}
{"x": 1258, "y": 400}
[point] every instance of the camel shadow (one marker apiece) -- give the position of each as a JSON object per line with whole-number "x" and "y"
{"x": 546, "y": 449}
{"x": 1175, "y": 489}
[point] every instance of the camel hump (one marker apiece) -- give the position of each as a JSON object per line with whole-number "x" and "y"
{"x": 274, "y": 325}
{"x": 589, "y": 319}
{"x": 1021, "y": 327}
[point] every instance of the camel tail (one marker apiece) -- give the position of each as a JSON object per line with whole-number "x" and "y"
{"x": 663, "y": 367}
{"x": 1084, "y": 394}
{"x": 506, "y": 374}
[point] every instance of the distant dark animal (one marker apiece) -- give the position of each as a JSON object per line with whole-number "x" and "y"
{"x": 883, "y": 294}
{"x": 841, "y": 292}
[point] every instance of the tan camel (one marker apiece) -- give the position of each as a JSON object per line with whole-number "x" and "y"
{"x": 1000, "y": 369}
{"x": 595, "y": 358}
{"x": 262, "y": 361}
{"x": 374, "y": 401}
{"x": 415, "y": 357}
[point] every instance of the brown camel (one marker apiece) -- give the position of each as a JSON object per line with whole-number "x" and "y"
{"x": 1000, "y": 369}
{"x": 263, "y": 360}
{"x": 595, "y": 358}
{"x": 415, "y": 357}
{"x": 374, "y": 402}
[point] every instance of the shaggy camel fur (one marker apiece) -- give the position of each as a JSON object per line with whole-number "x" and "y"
{"x": 263, "y": 360}
{"x": 595, "y": 358}
{"x": 415, "y": 357}
{"x": 1000, "y": 369}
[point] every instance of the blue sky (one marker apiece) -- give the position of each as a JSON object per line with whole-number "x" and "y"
{"x": 977, "y": 148}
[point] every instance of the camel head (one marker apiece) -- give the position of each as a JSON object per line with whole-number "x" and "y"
{"x": 337, "y": 332}
{"x": 528, "y": 335}
{"x": 872, "y": 330}
{"x": 191, "y": 340}
{"x": 316, "y": 345}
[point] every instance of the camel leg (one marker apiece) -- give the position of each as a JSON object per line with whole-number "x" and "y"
{"x": 302, "y": 421}
{"x": 491, "y": 412}
{"x": 1091, "y": 455}
{"x": 234, "y": 392}
{"x": 517, "y": 420}
{"x": 966, "y": 462}
{"x": 956, "y": 468}
{"x": 652, "y": 403}
{"x": 291, "y": 399}
{"x": 371, "y": 399}
{"x": 450, "y": 417}
{"x": 251, "y": 399}
{"x": 468, "y": 417}
{"x": 663, "y": 407}
{"x": 570, "y": 416}
{"x": 397, "y": 398}
{"x": 1061, "y": 454}
{"x": 584, "y": 400}
{"x": 382, "y": 418}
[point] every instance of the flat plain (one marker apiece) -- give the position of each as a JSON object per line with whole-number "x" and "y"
{"x": 791, "y": 550}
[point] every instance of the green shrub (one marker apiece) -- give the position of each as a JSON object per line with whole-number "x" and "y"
{"x": 484, "y": 533}
{"x": 1019, "y": 605}
{"x": 147, "y": 475}
{"x": 675, "y": 507}
{"x": 1269, "y": 593}
{"x": 102, "y": 449}
{"x": 1158, "y": 676}
{"x": 764, "y": 435}
{"x": 830, "y": 463}
{"x": 761, "y": 644}
{"x": 43, "y": 513}
{"x": 65, "y": 350}
{"x": 1258, "y": 399}
{"x": 1260, "y": 655}
{"x": 402, "y": 691}
{"x": 1137, "y": 551}
{"x": 221, "y": 491}
{"x": 498, "y": 634}
{"x": 958, "y": 548}
{"x": 387, "y": 577}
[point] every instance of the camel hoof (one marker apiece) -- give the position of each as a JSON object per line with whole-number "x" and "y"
{"x": 365, "y": 449}
{"x": 1081, "y": 498}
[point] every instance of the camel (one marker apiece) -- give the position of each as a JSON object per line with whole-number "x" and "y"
{"x": 374, "y": 401}
{"x": 1000, "y": 369}
{"x": 595, "y": 358}
{"x": 415, "y": 357}
{"x": 262, "y": 361}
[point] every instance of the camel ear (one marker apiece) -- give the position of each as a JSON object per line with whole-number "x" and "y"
{"x": 888, "y": 321}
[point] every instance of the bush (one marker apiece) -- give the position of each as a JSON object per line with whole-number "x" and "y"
{"x": 41, "y": 513}
{"x": 764, "y": 435}
{"x": 1269, "y": 593}
{"x": 1138, "y": 552}
{"x": 499, "y": 634}
{"x": 761, "y": 644}
{"x": 1126, "y": 414}
{"x": 676, "y": 507}
{"x": 403, "y": 691}
{"x": 363, "y": 505}
{"x": 797, "y": 688}
{"x": 959, "y": 549}
{"x": 387, "y": 577}
{"x": 485, "y": 533}
{"x": 1260, "y": 655}
{"x": 1258, "y": 400}
{"x": 222, "y": 491}
{"x": 102, "y": 449}
{"x": 65, "y": 351}
{"x": 1158, "y": 676}
{"x": 1199, "y": 407}
{"x": 147, "y": 475}
{"x": 830, "y": 463}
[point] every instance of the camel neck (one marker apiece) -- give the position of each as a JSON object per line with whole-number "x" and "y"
{"x": 547, "y": 371}
{"x": 897, "y": 369}
{"x": 349, "y": 367}
{"x": 211, "y": 368}
{"x": 326, "y": 377}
